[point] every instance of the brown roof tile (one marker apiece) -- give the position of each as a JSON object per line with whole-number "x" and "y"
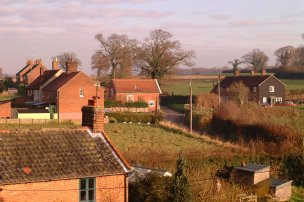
{"x": 136, "y": 86}
{"x": 35, "y": 85}
{"x": 42, "y": 155}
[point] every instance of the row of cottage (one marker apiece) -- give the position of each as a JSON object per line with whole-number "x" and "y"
{"x": 65, "y": 92}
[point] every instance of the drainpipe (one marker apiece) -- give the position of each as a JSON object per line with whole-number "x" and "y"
{"x": 126, "y": 187}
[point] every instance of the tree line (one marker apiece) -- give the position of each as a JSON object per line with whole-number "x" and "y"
{"x": 289, "y": 59}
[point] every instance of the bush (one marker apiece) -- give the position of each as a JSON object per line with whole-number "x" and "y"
{"x": 114, "y": 103}
{"x": 206, "y": 101}
{"x": 150, "y": 188}
{"x": 292, "y": 168}
{"x": 133, "y": 117}
{"x": 136, "y": 104}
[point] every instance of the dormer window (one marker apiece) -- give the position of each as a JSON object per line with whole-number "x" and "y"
{"x": 271, "y": 89}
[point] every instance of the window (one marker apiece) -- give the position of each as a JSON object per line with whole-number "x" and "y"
{"x": 271, "y": 89}
{"x": 151, "y": 103}
{"x": 279, "y": 99}
{"x": 264, "y": 100}
{"x": 81, "y": 93}
{"x": 130, "y": 98}
{"x": 254, "y": 89}
{"x": 87, "y": 187}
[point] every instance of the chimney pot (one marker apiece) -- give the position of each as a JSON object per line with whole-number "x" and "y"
{"x": 93, "y": 114}
{"x": 55, "y": 64}
{"x": 252, "y": 73}
{"x": 71, "y": 66}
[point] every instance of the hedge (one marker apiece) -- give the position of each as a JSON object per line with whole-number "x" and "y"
{"x": 142, "y": 117}
{"x": 114, "y": 103}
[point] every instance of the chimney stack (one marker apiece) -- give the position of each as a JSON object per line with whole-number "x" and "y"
{"x": 263, "y": 72}
{"x": 237, "y": 73}
{"x": 93, "y": 115}
{"x": 55, "y": 64}
{"x": 252, "y": 72}
{"x": 29, "y": 62}
{"x": 71, "y": 66}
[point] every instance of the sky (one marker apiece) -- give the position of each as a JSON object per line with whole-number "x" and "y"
{"x": 217, "y": 30}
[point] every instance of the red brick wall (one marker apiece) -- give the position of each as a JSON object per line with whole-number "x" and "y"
{"x": 145, "y": 97}
{"x": 70, "y": 103}
{"x": 5, "y": 109}
{"x": 108, "y": 188}
{"x": 34, "y": 74}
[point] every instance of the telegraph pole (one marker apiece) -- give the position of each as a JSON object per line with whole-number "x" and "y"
{"x": 219, "y": 89}
{"x": 190, "y": 107}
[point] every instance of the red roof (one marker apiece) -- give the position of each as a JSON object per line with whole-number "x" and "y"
{"x": 136, "y": 86}
{"x": 35, "y": 85}
{"x": 60, "y": 81}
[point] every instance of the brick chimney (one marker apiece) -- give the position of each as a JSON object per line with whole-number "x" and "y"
{"x": 29, "y": 62}
{"x": 71, "y": 66}
{"x": 93, "y": 114}
{"x": 252, "y": 73}
{"x": 237, "y": 73}
{"x": 55, "y": 64}
{"x": 263, "y": 73}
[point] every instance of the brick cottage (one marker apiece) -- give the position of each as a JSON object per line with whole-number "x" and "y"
{"x": 63, "y": 165}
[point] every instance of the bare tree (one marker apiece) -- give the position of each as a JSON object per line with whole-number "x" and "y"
{"x": 116, "y": 54}
{"x": 258, "y": 59}
{"x": 160, "y": 55}
{"x": 67, "y": 56}
{"x": 1, "y": 74}
{"x": 285, "y": 56}
{"x": 239, "y": 91}
{"x": 299, "y": 58}
{"x": 235, "y": 63}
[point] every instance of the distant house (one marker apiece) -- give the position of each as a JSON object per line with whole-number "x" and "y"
{"x": 30, "y": 72}
{"x": 251, "y": 173}
{"x": 134, "y": 90}
{"x": 63, "y": 165}
{"x": 263, "y": 89}
{"x": 63, "y": 92}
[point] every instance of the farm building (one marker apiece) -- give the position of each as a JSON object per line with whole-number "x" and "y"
{"x": 136, "y": 90}
{"x": 263, "y": 88}
{"x": 281, "y": 189}
{"x": 63, "y": 165}
{"x": 251, "y": 173}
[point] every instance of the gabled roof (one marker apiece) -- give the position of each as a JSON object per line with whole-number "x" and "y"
{"x": 249, "y": 81}
{"x": 35, "y": 85}
{"x": 29, "y": 70}
{"x": 23, "y": 69}
{"x": 60, "y": 81}
{"x": 136, "y": 86}
{"x": 43, "y": 155}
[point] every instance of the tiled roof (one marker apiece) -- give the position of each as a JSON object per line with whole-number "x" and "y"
{"x": 32, "y": 111}
{"x": 35, "y": 85}
{"x": 43, "y": 155}
{"x": 23, "y": 69}
{"x": 248, "y": 81}
{"x": 136, "y": 86}
{"x": 60, "y": 81}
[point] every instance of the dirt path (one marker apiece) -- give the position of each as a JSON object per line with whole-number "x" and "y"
{"x": 172, "y": 116}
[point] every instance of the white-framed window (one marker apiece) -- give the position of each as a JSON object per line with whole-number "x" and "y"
{"x": 130, "y": 98}
{"x": 151, "y": 103}
{"x": 264, "y": 100}
{"x": 81, "y": 93}
{"x": 279, "y": 99}
{"x": 254, "y": 89}
{"x": 271, "y": 89}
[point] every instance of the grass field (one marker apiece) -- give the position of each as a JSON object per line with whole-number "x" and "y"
{"x": 7, "y": 97}
{"x": 181, "y": 87}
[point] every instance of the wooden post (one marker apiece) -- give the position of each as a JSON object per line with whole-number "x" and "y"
{"x": 190, "y": 107}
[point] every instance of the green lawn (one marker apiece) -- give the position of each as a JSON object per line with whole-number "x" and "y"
{"x": 181, "y": 87}
{"x": 297, "y": 194}
{"x": 8, "y": 97}
{"x": 293, "y": 84}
